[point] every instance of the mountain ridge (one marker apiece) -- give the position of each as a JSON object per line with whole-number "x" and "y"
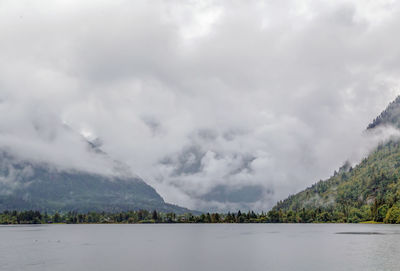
{"x": 390, "y": 116}
{"x": 369, "y": 191}
{"x": 42, "y": 186}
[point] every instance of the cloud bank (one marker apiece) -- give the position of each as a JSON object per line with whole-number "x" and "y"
{"x": 217, "y": 104}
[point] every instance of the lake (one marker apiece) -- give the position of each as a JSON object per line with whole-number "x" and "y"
{"x": 219, "y": 247}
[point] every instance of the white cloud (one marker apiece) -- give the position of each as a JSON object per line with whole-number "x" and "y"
{"x": 194, "y": 96}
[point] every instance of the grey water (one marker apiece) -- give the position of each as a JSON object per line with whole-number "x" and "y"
{"x": 218, "y": 247}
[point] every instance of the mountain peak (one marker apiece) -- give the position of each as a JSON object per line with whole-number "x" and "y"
{"x": 390, "y": 116}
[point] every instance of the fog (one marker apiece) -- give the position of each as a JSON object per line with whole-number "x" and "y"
{"x": 216, "y": 104}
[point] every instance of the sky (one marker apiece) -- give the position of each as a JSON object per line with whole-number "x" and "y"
{"x": 218, "y": 105}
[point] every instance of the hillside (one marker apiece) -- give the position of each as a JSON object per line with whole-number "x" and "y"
{"x": 370, "y": 191}
{"x": 37, "y": 186}
{"x": 390, "y": 116}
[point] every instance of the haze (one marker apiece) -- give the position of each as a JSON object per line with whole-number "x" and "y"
{"x": 219, "y": 105}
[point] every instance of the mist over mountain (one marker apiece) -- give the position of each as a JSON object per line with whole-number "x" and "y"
{"x": 218, "y": 105}
{"x": 368, "y": 191}
{"x": 390, "y": 116}
{"x": 29, "y": 184}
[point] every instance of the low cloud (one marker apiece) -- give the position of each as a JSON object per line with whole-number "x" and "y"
{"x": 210, "y": 102}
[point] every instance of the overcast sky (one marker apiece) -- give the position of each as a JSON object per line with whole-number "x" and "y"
{"x": 216, "y": 104}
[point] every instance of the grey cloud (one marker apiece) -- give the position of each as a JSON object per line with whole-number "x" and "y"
{"x": 246, "y": 194}
{"x": 200, "y": 97}
{"x": 188, "y": 161}
{"x": 154, "y": 125}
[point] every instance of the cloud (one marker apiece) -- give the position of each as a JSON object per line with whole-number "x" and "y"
{"x": 209, "y": 101}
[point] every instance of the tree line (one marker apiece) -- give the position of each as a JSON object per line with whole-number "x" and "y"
{"x": 143, "y": 216}
{"x": 131, "y": 217}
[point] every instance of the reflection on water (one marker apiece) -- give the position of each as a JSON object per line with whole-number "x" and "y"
{"x": 200, "y": 247}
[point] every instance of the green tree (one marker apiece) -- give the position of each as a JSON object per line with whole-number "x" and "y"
{"x": 393, "y": 215}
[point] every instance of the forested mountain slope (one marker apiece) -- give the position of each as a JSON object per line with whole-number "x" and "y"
{"x": 370, "y": 191}
{"x": 390, "y": 116}
{"x": 27, "y": 185}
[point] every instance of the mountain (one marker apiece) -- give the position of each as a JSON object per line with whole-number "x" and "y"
{"x": 369, "y": 191}
{"x": 27, "y": 185}
{"x": 390, "y": 116}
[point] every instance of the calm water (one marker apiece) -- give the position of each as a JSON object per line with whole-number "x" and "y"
{"x": 200, "y": 247}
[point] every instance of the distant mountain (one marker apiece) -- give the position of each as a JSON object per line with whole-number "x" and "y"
{"x": 25, "y": 186}
{"x": 28, "y": 185}
{"x": 369, "y": 191}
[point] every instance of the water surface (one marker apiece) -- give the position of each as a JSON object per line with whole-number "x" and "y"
{"x": 219, "y": 247}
